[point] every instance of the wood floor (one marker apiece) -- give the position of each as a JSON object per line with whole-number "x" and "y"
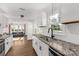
{"x": 21, "y": 48}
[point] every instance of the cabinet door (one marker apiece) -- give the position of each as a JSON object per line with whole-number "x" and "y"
{"x": 43, "y": 49}
{"x": 10, "y": 39}
{"x": 40, "y": 49}
{"x": 6, "y": 46}
{"x": 35, "y": 44}
{"x": 44, "y": 19}
{"x": 3, "y": 21}
{"x": 33, "y": 41}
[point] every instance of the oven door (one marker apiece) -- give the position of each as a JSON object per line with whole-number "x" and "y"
{"x": 53, "y": 52}
{"x": 2, "y": 47}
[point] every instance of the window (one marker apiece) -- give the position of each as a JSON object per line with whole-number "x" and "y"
{"x": 55, "y": 23}
{"x": 17, "y": 27}
{"x": 56, "y": 27}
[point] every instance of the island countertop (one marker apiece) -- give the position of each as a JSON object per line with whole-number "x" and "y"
{"x": 65, "y": 48}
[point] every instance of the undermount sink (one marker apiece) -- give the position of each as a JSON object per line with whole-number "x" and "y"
{"x": 45, "y": 38}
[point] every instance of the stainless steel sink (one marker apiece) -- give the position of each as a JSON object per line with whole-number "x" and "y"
{"x": 45, "y": 38}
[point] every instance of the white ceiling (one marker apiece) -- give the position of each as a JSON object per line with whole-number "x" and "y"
{"x": 30, "y": 9}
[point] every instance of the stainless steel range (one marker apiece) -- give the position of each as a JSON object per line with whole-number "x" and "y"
{"x": 2, "y": 47}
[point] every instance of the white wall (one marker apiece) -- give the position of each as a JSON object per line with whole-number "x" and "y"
{"x": 71, "y": 31}
{"x": 70, "y": 11}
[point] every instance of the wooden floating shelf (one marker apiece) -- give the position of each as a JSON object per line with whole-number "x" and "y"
{"x": 71, "y": 22}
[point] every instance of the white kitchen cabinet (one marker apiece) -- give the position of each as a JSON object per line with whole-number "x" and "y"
{"x": 8, "y": 43}
{"x": 43, "y": 49}
{"x": 40, "y": 47}
{"x": 3, "y": 21}
{"x": 43, "y": 19}
{"x": 10, "y": 40}
{"x": 35, "y": 43}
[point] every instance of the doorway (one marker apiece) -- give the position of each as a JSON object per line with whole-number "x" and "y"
{"x": 18, "y": 31}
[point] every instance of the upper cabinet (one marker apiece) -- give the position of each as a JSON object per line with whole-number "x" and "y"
{"x": 3, "y": 21}
{"x": 43, "y": 20}
{"x": 45, "y": 13}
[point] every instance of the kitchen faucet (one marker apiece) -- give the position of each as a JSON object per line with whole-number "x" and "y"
{"x": 51, "y": 32}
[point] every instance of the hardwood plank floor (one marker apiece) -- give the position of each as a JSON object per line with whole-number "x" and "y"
{"x": 22, "y": 48}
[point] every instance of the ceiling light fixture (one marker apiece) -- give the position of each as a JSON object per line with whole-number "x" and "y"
{"x": 22, "y": 10}
{"x": 21, "y": 16}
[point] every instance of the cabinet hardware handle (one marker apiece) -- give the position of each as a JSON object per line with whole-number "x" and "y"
{"x": 7, "y": 42}
{"x": 40, "y": 48}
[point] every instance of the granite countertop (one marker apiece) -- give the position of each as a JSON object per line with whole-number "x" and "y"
{"x": 65, "y": 48}
{"x": 1, "y": 41}
{"x": 4, "y": 36}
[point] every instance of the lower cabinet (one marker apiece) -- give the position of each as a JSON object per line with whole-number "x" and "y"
{"x": 8, "y": 44}
{"x": 35, "y": 44}
{"x": 43, "y": 49}
{"x": 40, "y": 47}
